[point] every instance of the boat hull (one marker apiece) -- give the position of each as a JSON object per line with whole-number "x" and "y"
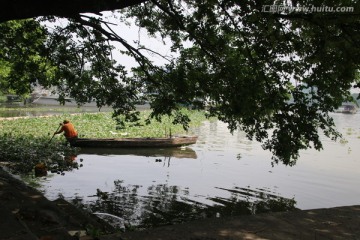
{"x": 133, "y": 142}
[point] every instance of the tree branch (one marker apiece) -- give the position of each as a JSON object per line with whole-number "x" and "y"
{"x": 112, "y": 36}
{"x": 182, "y": 26}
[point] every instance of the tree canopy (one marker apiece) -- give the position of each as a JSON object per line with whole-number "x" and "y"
{"x": 274, "y": 73}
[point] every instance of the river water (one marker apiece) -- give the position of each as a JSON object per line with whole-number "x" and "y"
{"x": 222, "y": 174}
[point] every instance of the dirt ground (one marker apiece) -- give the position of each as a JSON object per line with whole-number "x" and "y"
{"x": 25, "y": 214}
{"x": 334, "y": 223}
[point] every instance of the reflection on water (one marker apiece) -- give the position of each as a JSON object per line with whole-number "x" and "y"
{"x": 22, "y": 113}
{"x": 222, "y": 174}
{"x": 8, "y": 110}
{"x": 164, "y": 204}
{"x": 184, "y": 152}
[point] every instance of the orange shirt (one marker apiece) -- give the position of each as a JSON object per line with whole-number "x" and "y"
{"x": 69, "y": 130}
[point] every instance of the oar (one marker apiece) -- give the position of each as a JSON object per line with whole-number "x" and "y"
{"x": 54, "y": 133}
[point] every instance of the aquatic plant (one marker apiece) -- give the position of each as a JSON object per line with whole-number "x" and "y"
{"x": 23, "y": 153}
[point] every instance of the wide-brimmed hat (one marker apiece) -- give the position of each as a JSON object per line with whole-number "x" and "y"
{"x": 66, "y": 121}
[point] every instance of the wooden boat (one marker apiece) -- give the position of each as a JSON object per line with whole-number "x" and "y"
{"x": 133, "y": 142}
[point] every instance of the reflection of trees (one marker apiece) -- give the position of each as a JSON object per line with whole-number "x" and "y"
{"x": 123, "y": 201}
{"x": 165, "y": 204}
{"x": 248, "y": 201}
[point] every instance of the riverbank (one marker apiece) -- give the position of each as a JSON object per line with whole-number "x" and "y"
{"x": 27, "y": 214}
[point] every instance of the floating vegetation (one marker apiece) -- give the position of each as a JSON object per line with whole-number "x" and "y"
{"x": 343, "y": 141}
{"x": 349, "y": 131}
{"x": 23, "y": 153}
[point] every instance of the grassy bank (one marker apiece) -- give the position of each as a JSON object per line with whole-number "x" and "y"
{"x": 25, "y": 142}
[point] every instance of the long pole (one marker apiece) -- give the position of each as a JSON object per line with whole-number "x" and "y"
{"x": 54, "y": 133}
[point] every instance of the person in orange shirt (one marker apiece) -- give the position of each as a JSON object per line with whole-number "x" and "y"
{"x": 69, "y": 130}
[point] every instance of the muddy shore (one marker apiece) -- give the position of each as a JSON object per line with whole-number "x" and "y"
{"x": 27, "y": 215}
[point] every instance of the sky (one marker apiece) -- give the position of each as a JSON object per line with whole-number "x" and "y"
{"x": 133, "y": 33}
